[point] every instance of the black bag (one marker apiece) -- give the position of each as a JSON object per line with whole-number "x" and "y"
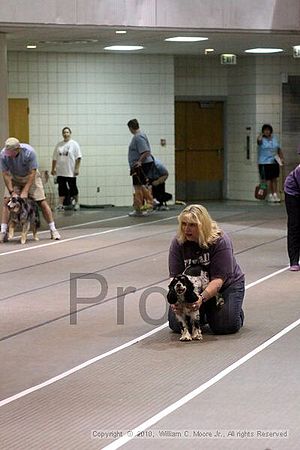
{"x": 261, "y": 191}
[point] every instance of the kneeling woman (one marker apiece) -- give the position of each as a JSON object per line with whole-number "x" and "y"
{"x": 202, "y": 250}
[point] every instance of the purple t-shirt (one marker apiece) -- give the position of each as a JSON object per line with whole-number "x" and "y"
{"x": 217, "y": 261}
{"x": 292, "y": 182}
{"x": 23, "y": 164}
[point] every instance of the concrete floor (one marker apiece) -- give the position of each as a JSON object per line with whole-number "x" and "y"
{"x": 84, "y": 380}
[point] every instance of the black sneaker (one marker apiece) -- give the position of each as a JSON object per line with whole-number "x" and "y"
{"x": 3, "y": 237}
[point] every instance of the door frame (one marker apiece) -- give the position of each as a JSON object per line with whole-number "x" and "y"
{"x": 211, "y": 98}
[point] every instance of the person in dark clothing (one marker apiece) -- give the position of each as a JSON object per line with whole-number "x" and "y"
{"x": 160, "y": 196}
{"x": 292, "y": 204}
{"x": 204, "y": 252}
{"x": 140, "y": 161}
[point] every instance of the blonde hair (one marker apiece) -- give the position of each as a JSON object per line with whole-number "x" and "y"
{"x": 208, "y": 229}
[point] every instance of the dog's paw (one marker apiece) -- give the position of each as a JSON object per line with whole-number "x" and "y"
{"x": 197, "y": 335}
{"x": 36, "y": 238}
{"x": 185, "y": 336}
{"x": 23, "y": 241}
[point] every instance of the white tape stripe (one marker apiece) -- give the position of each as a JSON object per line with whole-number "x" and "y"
{"x": 80, "y": 366}
{"x": 83, "y": 236}
{"x": 99, "y": 357}
{"x": 165, "y": 412}
{"x": 267, "y": 277}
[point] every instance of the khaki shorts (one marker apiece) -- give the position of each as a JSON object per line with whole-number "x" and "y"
{"x": 36, "y": 191}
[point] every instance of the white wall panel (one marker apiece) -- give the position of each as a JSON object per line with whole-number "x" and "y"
{"x": 96, "y": 95}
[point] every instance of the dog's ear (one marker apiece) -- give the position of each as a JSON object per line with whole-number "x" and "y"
{"x": 173, "y": 282}
{"x": 191, "y": 295}
{"x": 189, "y": 283}
{"x": 171, "y": 296}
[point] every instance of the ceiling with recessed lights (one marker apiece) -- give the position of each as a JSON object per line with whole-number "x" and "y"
{"x": 95, "y": 39}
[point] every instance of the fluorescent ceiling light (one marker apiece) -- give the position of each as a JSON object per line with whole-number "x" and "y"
{"x": 121, "y": 32}
{"x": 209, "y": 50}
{"x": 186, "y": 39}
{"x": 124, "y": 48}
{"x": 264, "y": 50}
{"x": 30, "y": 46}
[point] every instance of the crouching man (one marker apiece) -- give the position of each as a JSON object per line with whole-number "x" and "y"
{"x": 20, "y": 171}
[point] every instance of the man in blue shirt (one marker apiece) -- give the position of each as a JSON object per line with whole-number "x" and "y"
{"x": 140, "y": 162}
{"x": 21, "y": 176}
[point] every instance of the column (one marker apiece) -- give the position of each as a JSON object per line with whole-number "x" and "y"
{"x": 4, "y": 126}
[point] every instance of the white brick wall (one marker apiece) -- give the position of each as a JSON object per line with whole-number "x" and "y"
{"x": 96, "y": 95}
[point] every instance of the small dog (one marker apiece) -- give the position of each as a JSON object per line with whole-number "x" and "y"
{"x": 23, "y": 212}
{"x": 181, "y": 292}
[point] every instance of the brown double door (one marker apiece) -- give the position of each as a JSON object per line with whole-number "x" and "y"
{"x": 199, "y": 150}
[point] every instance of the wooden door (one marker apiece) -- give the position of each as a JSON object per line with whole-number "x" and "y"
{"x": 18, "y": 114}
{"x": 199, "y": 154}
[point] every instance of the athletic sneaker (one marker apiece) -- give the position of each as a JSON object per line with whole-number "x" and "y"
{"x": 3, "y": 237}
{"x": 270, "y": 198}
{"x": 138, "y": 214}
{"x": 60, "y": 208}
{"x": 55, "y": 235}
{"x": 76, "y": 207}
{"x": 294, "y": 268}
{"x": 276, "y": 199}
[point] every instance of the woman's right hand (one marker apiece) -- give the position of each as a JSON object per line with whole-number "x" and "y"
{"x": 177, "y": 308}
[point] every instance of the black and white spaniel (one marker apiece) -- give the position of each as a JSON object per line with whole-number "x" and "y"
{"x": 182, "y": 292}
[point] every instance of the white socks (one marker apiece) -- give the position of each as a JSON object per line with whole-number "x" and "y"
{"x": 3, "y": 227}
{"x": 51, "y": 226}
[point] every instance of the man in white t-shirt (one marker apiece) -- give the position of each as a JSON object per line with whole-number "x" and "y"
{"x": 65, "y": 165}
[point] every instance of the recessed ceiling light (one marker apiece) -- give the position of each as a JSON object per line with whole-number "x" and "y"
{"x": 121, "y": 32}
{"x": 124, "y": 47}
{"x": 30, "y": 46}
{"x": 264, "y": 50}
{"x": 209, "y": 50}
{"x": 186, "y": 39}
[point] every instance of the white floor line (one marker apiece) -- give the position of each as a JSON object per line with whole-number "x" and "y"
{"x": 80, "y": 366}
{"x": 261, "y": 280}
{"x": 83, "y": 236}
{"x": 109, "y": 353}
{"x": 191, "y": 395}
